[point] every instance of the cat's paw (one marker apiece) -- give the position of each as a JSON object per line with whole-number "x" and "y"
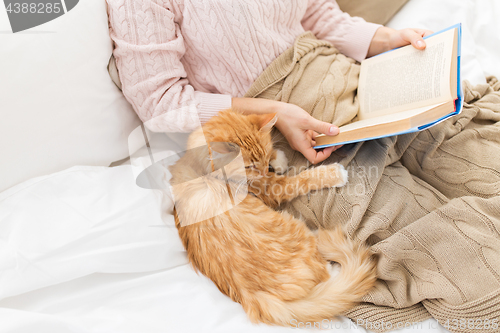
{"x": 342, "y": 174}
{"x": 334, "y": 175}
{"x": 280, "y": 163}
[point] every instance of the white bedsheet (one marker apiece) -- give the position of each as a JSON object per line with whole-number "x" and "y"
{"x": 86, "y": 250}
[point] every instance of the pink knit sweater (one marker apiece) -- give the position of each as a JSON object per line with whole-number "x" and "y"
{"x": 181, "y": 61}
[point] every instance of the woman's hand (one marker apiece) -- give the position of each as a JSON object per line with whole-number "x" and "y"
{"x": 298, "y": 127}
{"x": 386, "y": 39}
{"x": 300, "y": 130}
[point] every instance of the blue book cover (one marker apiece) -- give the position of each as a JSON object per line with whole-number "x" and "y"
{"x": 458, "y": 103}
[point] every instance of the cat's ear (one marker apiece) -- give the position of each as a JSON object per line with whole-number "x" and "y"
{"x": 267, "y": 121}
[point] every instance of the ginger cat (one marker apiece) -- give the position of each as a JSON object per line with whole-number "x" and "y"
{"x": 266, "y": 260}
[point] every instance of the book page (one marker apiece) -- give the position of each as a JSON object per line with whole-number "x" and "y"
{"x": 407, "y": 78}
{"x": 383, "y": 119}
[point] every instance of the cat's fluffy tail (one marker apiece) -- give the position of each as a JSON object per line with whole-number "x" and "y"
{"x": 334, "y": 296}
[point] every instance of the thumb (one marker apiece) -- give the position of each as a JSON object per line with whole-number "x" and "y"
{"x": 419, "y": 43}
{"x": 322, "y": 127}
{"x": 414, "y": 38}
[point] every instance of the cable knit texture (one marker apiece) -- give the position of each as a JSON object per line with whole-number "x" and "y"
{"x": 181, "y": 61}
{"x": 427, "y": 203}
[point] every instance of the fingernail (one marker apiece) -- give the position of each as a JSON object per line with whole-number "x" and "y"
{"x": 420, "y": 44}
{"x": 334, "y": 130}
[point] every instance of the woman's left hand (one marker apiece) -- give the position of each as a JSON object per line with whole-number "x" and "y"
{"x": 386, "y": 39}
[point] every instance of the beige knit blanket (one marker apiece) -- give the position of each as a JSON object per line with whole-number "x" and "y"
{"x": 428, "y": 203}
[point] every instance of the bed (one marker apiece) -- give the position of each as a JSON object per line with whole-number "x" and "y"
{"x": 84, "y": 249}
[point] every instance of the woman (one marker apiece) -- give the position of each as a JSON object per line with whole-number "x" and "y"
{"x": 182, "y": 61}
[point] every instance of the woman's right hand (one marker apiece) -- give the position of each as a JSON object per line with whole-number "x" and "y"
{"x": 298, "y": 126}
{"x": 300, "y": 129}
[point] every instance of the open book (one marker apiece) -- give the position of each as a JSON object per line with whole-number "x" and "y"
{"x": 406, "y": 90}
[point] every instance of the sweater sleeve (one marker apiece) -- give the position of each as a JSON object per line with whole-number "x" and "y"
{"x": 351, "y": 35}
{"x": 148, "y": 51}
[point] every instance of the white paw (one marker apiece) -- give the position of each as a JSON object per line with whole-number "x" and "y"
{"x": 343, "y": 175}
{"x": 280, "y": 163}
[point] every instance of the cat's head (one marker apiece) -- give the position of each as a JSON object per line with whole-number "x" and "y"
{"x": 229, "y": 132}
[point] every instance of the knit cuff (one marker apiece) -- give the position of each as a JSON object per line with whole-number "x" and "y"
{"x": 358, "y": 39}
{"x": 210, "y": 104}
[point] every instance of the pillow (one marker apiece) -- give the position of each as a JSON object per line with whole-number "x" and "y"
{"x": 59, "y": 106}
{"x": 375, "y": 11}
